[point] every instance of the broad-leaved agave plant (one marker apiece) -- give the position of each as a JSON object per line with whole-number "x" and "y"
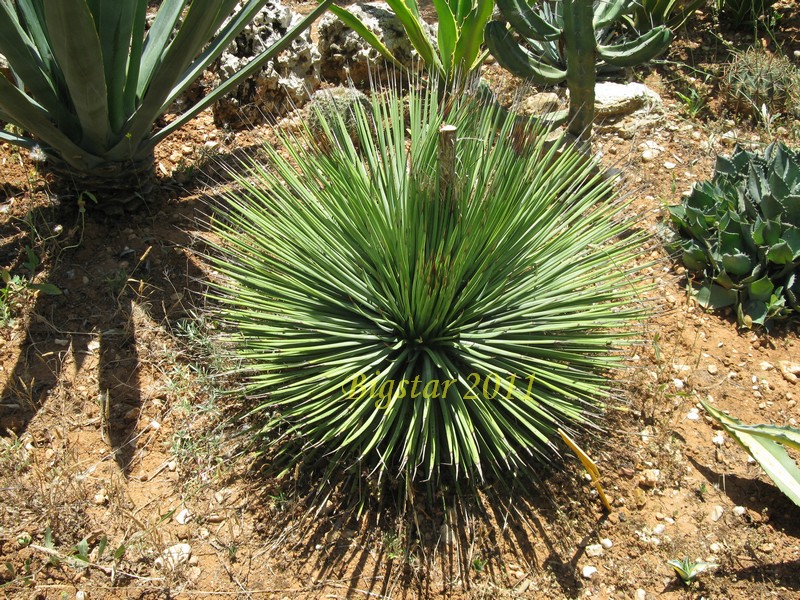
{"x": 91, "y": 79}
{"x": 739, "y": 234}
{"x": 425, "y": 301}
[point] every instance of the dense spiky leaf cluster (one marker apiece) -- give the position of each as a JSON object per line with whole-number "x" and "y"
{"x": 739, "y": 234}
{"x": 90, "y": 79}
{"x": 761, "y": 84}
{"x": 397, "y": 319}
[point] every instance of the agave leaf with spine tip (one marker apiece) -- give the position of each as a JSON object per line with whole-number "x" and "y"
{"x": 93, "y": 82}
{"x": 761, "y": 442}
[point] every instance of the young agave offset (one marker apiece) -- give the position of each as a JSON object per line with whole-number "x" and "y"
{"x": 90, "y": 82}
{"x": 425, "y": 301}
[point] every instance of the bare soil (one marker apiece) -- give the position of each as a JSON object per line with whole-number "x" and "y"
{"x": 113, "y": 422}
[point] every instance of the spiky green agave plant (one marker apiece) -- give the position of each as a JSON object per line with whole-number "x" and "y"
{"x": 89, "y": 81}
{"x": 397, "y": 320}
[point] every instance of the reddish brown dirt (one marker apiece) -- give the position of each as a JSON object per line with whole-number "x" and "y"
{"x": 111, "y": 421}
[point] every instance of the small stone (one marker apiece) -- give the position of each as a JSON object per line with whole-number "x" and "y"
{"x": 175, "y": 157}
{"x": 659, "y": 529}
{"x": 588, "y": 571}
{"x": 719, "y": 439}
{"x": 606, "y": 543}
{"x": 594, "y": 550}
{"x": 669, "y": 165}
{"x": 790, "y": 371}
{"x": 645, "y": 434}
{"x": 712, "y": 369}
{"x": 183, "y": 517}
{"x": 739, "y": 511}
{"x": 649, "y": 478}
{"x": 215, "y": 518}
{"x": 100, "y": 498}
{"x": 172, "y": 465}
{"x": 716, "y": 513}
{"x": 186, "y": 150}
{"x": 81, "y": 595}
{"x": 174, "y": 556}
{"x": 641, "y": 594}
{"x": 716, "y": 547}
{"x": 648, "y": 155}
{"x": 678, "y": 383}
{"x": 767, "y": 366}
{"x": 693, "y": 414}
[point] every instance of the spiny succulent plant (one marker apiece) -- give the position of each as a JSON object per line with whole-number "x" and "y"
{"x": 757, "y": 78}
{"x": 90, "y": 81}
{"x": 425, "y": 303}
{"x": 739, "y": 235}
{"x": 330, "y": 104}
{"x": 569, "y": 40}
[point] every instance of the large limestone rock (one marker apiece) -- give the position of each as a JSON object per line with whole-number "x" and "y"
{"x": 345, "y": 54}
{"x": 283, "y": 83}
{"x": 619, "y": 99}
{"x": 626, "y": 108}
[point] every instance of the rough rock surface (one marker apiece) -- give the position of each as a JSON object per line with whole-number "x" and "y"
{"x": 618, "y": 99}
{"x": 346, "y": 56}
{"x": 283, "y": 83}
{"x": 540, "y": 104}
{"x": 626, "y": 108}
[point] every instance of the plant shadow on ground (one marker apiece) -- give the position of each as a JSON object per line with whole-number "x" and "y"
{"x": 109, "y": 271}
{"x": 757, "y": 496}
{"x": 383, "y": 544}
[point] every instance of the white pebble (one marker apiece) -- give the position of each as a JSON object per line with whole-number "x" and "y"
{"x": 183, "y": 517}
{"x": 588, "y": 571}
{"x": 606, "y": 543}
{"x": 174, "y": 556}
{"x": 716, "y": 513}
{"x": 594, "y": 550}
{"x": 719, "y": 439}
{"x": 678, "y": 383}
{"x": 739, "y": 511}
{"x": 694, "y": 415}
